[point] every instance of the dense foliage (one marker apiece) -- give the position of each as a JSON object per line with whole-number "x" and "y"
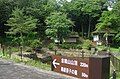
{"x": 32, "y": 20}
{"x": 58, "y": 25}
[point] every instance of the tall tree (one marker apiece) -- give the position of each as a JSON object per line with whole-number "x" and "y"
{"x": 20, "y": 24}
{"x": 85, "y": 13}
{"x": 41, "y": 9}
{"x": 58, "y": 25}
{"x": 111, "y": 20}
{"x": 6, "y": 7}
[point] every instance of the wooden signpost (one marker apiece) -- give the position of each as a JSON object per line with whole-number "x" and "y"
{"x": 83, "y": 68}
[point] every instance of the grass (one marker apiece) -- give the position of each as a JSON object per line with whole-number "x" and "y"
{"x": 118, "y": 75}
{"x": 26, "y": 61}
{"x": 38, "y": 64}
{"x": 112, "y": 49}
{"x": 41, "y": 65}
{"x": 29, "y": 62}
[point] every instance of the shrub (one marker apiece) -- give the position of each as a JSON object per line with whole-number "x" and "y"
{"x": 78, "y": 46}
{"x": 15, "y": 49}
{"x": 28, "y": 49}
{"x": 36, "y": 43}
{"x": 51, "y": 46}
{"x": 65, "y": 46}
{"x": 68, "y": 46}
{"x": 86, "y": 44}
{"x": 119, "y": 49}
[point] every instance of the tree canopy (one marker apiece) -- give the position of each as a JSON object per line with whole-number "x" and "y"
{"x": 55, "y": 18}
{"x": 111, "y": 20}
{"x": 20, "y": 24}
{"x": 58, "y": 25}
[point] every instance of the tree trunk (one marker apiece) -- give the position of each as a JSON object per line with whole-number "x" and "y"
{"x": 21, "y": 47}
{"x": 89, "y": 26}
{"x": 21, "y": 37}
{"x": 82, "y": 31}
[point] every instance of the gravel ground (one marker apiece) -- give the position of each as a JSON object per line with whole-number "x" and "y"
{"x": 10, "y": 70}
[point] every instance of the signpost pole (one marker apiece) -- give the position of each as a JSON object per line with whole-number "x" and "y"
{"x": 82, "y": 54}
{"x": 55, "y": 51}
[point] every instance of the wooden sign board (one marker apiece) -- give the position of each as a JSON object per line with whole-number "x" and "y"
{"x": 83, "y": 68}
{"x": 71, "y": 66}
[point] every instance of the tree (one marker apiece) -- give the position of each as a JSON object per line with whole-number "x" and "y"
{"x": 41, "y": 9}
{"x": 116, "y": 24}
{"x": 58, "y": 26}
{"x": 20, "y": 24}
{"x": 84, "y": 13}
{"x": 111, "y": 20}
{"x": 6, "y": 7}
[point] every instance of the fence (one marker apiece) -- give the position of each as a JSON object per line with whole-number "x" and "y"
{"x": 115, "y": 62}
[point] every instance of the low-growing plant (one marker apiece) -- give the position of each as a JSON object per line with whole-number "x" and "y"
{"x": 14, "y": 49}
{"x": 17, "y": 60}
{"x": 36, "y": 43}
{"x": 28, "y": 49}
{"x": 51, "y": 46}
{"x": 38, "y": 64}
{"x": 72, "y": 46}
{"x": 119, "y": 49}
{"x": 86, "y": 44}
{"x": 79, "y": 46}
{"x": 65, "y": 46}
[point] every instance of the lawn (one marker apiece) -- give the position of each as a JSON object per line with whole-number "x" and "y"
{"x": 112, "y": 49}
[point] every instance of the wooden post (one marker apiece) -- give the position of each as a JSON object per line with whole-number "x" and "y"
{"x": 99, "y": 67}
{"x": 82, "y": 54}
{"x": 21, "y": 52}
{"x": 55, "y": 51}
{"x": 10, "y": 52}
{"x": 113, "y": 60}
{"x": 3, "y": 47}
{"x": 0, "y": 46}
{"x": 114, "y": 74}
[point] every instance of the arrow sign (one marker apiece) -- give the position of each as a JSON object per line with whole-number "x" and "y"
{"x": 55, "y": 63}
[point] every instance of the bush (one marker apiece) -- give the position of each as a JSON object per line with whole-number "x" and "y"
{"x": 119, "y": 49}
{"x": 65, "y": 46}
{"x": 36, "y": 43}
{"x": 78, "y": 46}
{"x": 28, "y": 49}
{"x": 68, "y": 46}
{"x": 86, "y": 44}
{"x": 51, "y": 46}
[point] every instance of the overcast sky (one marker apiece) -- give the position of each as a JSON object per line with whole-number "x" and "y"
{"x": 68, "y": 0}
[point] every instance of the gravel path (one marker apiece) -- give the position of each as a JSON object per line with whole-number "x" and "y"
{"x": 10, "y": 70}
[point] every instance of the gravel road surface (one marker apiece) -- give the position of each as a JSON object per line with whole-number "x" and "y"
{"x": 10, "y": 70}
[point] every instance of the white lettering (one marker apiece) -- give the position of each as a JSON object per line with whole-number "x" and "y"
{"x": 83, "y": 64}
{"x": 68, "y": 70}
{"x": 84, "y": 75}
{"x": 71, "y": 62}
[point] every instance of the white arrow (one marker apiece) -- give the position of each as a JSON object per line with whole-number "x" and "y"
{"x": 55, "y": 63}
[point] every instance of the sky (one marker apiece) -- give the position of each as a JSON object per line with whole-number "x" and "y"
{"x": 68, "y": 0}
